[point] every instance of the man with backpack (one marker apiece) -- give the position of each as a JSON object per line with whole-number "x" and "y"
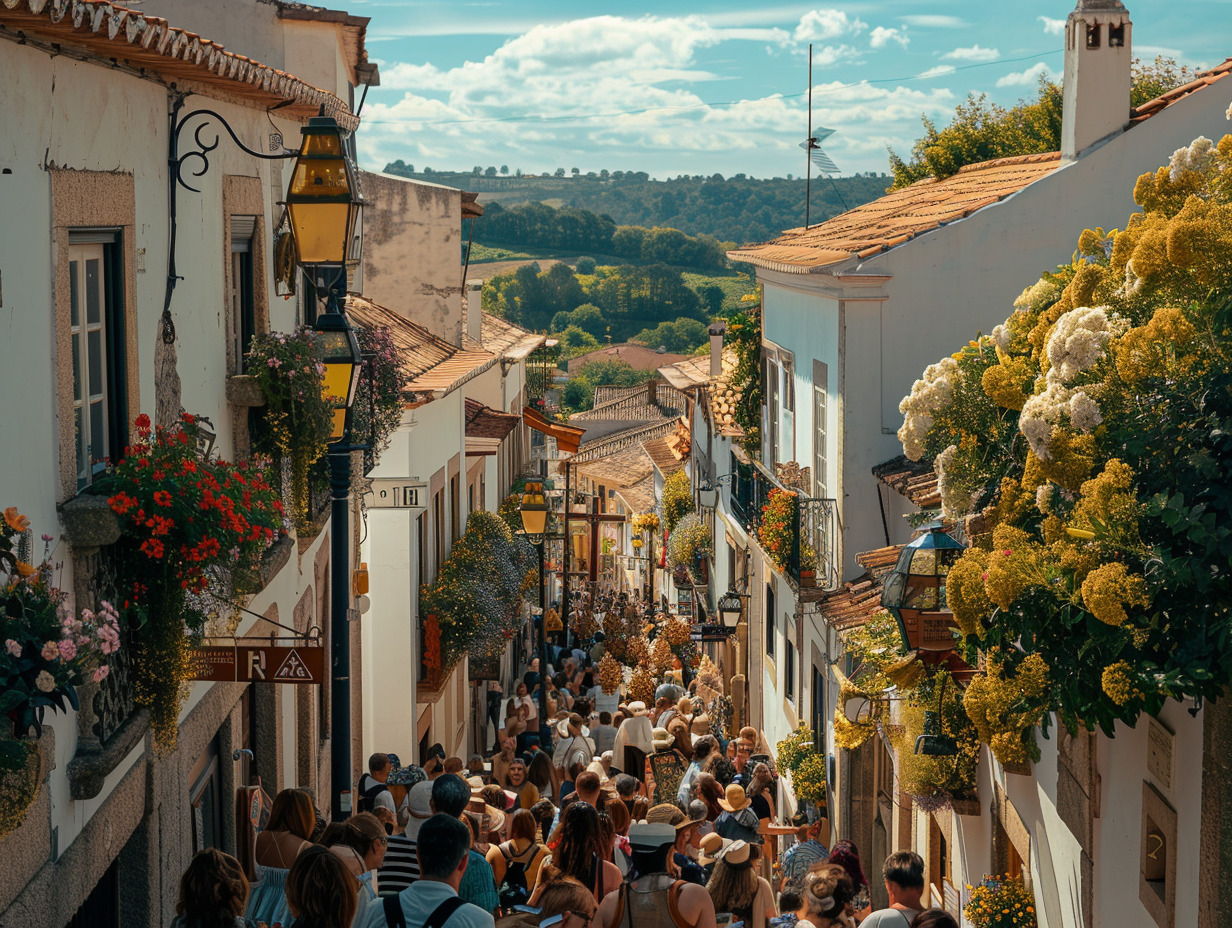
{"x": 373, "y": 793}
{"x": 656, "y": 899}
{"x": 432, "y": 900}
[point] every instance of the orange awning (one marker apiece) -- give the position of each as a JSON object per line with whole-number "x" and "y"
{"x": 567, "y": 437}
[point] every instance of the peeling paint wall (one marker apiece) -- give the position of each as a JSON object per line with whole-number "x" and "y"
{"x": 413, "y": 251}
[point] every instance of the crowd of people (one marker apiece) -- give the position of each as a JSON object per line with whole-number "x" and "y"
{"x": 614, "y": 814}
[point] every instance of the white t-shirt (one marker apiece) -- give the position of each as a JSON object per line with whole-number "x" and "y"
{"x": 573, "y": 749}
{"x": 418, "y": 902}
{"x": 890, "y": 918}
{"x": 532, "y": 708}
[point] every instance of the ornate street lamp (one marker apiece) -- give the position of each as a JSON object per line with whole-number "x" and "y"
{"x": 534, "y": 512}
{"x": 914, "y": 593}
{"x": 730, "y": 609}
{"x": 342, "y": 360}
{"x": 323, "y": 200}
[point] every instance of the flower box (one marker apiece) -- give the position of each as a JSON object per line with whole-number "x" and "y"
{"x": 244, "y": 390}
{"x": 89, "y": 521}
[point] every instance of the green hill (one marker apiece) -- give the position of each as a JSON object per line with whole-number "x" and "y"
{"x": 735, "y": 209}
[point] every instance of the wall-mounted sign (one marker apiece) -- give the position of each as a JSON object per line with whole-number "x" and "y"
{"x": 1159, "y": 753}
{"x": 259, "y": 664}
{"x": 397, "y": 493}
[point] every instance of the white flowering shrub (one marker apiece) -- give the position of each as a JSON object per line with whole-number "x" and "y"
{"x": 928, "y": 394}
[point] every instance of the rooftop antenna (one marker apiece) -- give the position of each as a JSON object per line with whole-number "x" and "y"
{"x": 814, "y": 156}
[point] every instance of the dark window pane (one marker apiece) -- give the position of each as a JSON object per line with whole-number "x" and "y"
{"x": 93, "y": 305}
{"x": 77, "y": 368}
{"x": 83, "y": 463}
{"x": 98, "y": 439}
{"x": 94, "y": 345}
{"x": 73, "y": 315}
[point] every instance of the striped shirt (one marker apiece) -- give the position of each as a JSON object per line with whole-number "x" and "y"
{"x": 400, "y": 868}
{"x": 798, "y": 860}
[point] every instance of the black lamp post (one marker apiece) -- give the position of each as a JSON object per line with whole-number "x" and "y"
{"x": 323, "y": 205}
{"x": 534, "y": 512}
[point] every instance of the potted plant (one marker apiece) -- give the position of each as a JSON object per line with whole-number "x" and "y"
{"x": 190, "y": 527}
{"x": 48, "y": 651}
{"x": 808, "y": 565}
{"x": 1001, "y": 902}
{"x": 777, "y": 532}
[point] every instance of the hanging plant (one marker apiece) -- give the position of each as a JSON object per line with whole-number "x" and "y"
{"x": 297, "y": 417}
{"x": 795, "y": 748}
{"x": 677, "y": 499}
{"x": 189, "y": 527}
{"x": 744, "y": 337}
{"x": 933, "y": 781}
{"x": 377, "y": 411}
{"x": 691, "y": 537}
{"x": 645, "y": 522}
{"x": 808, "y": 781}
{"x": 1001, "y": 902}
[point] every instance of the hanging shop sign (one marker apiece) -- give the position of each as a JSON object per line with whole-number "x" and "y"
{"x": 259, "y": 664}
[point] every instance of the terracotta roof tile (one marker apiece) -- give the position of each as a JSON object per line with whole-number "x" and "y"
{"x": 899, "y": 216}
{"x": 1203, "y": 79}
{"x": 915, "y": 480}
{"x": 430, "y": 363}
{"x": 504, "y": 338}
{"x": 140, "y": 41}
{"x": 659, "y": 452}
{"x": 485, "y": 422}
{"x": 853, "y": 605}
{"x": 640, "y": 497}
{"x": 691, "y": 372}
{"x": 623, "y": 468}
{"x": 636, "y": 356}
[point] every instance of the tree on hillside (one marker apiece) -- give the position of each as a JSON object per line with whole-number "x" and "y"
{"x": 579, "y": 391}
{"x": 712, "y": 295}
{"x": 560, "y": 172}
{"x": 490, "y": 172}
{"x": 585, "y": 265}
{"x": 981, "y": 130}
{"x": 588, "y": 317}
{"x": 574, "y": 341}
{"x": 504, "y": 169}
{"x": 680, "y": 336}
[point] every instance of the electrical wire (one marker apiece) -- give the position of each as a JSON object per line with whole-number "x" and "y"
{"x": 700, "y": 104}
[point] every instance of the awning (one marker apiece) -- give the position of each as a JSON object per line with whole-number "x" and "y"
{"x": 567, "y": 436}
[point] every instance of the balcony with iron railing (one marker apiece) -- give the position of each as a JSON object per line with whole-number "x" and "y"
{"x": 808, "y": 553}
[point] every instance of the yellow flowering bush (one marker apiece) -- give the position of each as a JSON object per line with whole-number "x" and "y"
{"x": 1090, "y": 432}
{"x": 1001, "y": 902}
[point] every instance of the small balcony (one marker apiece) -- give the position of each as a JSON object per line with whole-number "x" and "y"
{"x": 808, "y": 555}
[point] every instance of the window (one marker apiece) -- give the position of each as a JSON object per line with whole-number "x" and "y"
{"x": 438, "y": 523}
{"x": 243, "y": 311}
{"x": 771, "y": 394}
{"x": 204, "y": 795}
{"x": 818, "y": 720}
{"x": 1092, "y": 35}
{"x": 309, "y": 297}
{"x": 820, "y": 402}
{"x": 96, "y": 325}
{"x": 455, "y": 502}
{"x": 789, "y": 670}
{"x": 769, "y": 620}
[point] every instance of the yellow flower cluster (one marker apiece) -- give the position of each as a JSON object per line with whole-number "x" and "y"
{"x": 1109, "y": 588}
{"x": 1120, "y": 683}
{"x": 1161, "y": 348}
{"x": 1001, "y": 902}
{"x": 1014, "y": 564}
{"x": 1008, "y": 383}
{"x": 1003, "y": 708}
{"x": 965, "y": 593}
{"x": 850, "y": 735}
{"x": 1109, "y": 507}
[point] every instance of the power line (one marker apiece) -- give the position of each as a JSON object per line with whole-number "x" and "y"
{"x": 540, "y": 119}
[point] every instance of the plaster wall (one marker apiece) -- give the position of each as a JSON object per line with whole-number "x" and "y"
{"x": 412, "y": 251}
{"x": 313, "y": 53}
{"x": 242, "y": 26}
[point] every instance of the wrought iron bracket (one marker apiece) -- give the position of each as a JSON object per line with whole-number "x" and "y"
{"x": 200, "y": 153}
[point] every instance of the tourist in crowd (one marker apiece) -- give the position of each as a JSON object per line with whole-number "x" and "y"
{"x": 373, "y": 792}
{"x": 321, "y": 891}
{"x": 789, "y": 906}
{"x": 515, "y": 863}
{"x": 621, "y": 821}
{"x": 604, "y": 734}
{"x": 450, "y": 795}
{"x": 434, "y": 763}
{"x": 444, "y": 845}
{"x": 844, "y": 854}
{"x": 710, "y": 792}
{"x": 516, "y": 782}
{"x": 934, "y": 918}
{"x": 567, "y": 904}
{"x": 827, "y": 895}
{"x": 655, "y": 899}
{"x": 684, "y": 863}
{"x": 360, "y": 844}
{"x": 501, "y": 762}
{"x": 539, "y": 775}
{"x": 578, "y": 852}
{"x": 738, "y": 822}
{"x": 735, "y": 887}
{"x": 904, "y": 882}
{"x": 213, "y": 892}
{"x": 702, "y": 748}
{"x": 807, "y": 852}
{"x": 288, "y": 832}
{"x": 545, "y": 817}
{"x": 634, "y": 741}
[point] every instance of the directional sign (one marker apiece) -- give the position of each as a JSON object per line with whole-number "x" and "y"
{"x": 259, "y": 664}
{"x": 398, "y": 493}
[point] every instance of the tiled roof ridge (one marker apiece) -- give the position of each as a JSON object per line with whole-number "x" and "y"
{"x": 1202, "y": 79}
{"x": 1036, "y": 158}
{"x": 618, "y": 440}
{"x": 156, "y": 35}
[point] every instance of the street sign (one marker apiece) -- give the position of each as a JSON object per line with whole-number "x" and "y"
{"x": 259, "y": 664}
{"x": 397, "y": 493}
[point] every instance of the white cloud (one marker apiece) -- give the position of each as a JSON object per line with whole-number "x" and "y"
{"x": 923, "y": 75}
{"x": 1052, "y": 26}
{"x": 1029, "y": 77}
{"x": 934, "y": 21}
{"x": 883, "y": 36}
{"x": 974, "y": 53}
{"x": 829, "y": 55}
{"x": 820, "y": 25}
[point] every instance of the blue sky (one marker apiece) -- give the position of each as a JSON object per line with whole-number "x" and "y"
{"x": 702, "y": 87}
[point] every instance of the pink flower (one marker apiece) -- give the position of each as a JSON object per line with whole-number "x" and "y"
{"x": 45, "y": 681}
{"x": 68, "y": 649}
{"x": 100, "y": 674}
{"x": 12, "y": 647}
{"x": 50, "y": 651}
{"x": 47, "y": 538}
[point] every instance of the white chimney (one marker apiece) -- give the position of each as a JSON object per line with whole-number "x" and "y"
{"x": 474, "y": 309}
{"x": 716, "y": 332}
{"x": 1095, "y": 93}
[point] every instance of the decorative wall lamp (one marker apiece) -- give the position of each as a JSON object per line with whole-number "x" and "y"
{"x": 914, "y": 593}
{"x": 731, "y": 609}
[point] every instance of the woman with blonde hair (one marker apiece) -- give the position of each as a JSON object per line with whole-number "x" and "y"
{"x": 213, "y": 892}
{"x": 735, "y": 886}
{"x": 321, "y": 892}
{"x": 827, "y": 893}
{"x": 288, "y": 833}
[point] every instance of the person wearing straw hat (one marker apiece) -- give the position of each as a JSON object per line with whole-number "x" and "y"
{"x": 634, "y": 740}
{"x": 655, "y": 899}
{"x": 573, "y": 746}
{"x": 684, "y": 864}
{"x": 735, "y": 887}
{"x": 738, "y": 821}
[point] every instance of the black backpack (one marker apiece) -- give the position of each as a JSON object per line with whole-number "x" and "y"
{"x": 513, "y": 889}
{"x": 367, "y": 797}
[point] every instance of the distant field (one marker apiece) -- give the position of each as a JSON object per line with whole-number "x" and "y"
{"x": 483, "y": 253}
{"x": 733, "y": 283}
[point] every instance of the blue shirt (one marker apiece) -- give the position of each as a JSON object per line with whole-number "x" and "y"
{"x": 478, "y": 885}
{"x": 798, "y": 860}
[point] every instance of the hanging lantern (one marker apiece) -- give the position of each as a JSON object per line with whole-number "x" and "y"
{"x": 914, "y": 593}
{"x": 534, "y": 512}
{"x": 323, "y": 198}
{"x": 342, "y": 359}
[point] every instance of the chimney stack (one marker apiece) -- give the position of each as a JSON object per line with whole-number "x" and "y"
{"x": 1095, "y": 92}
{"x": 474, "y": 309}
{"x": 717, "y": 330}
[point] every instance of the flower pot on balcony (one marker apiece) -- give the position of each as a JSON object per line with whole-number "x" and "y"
{"x": 89, "y": 521}
{"x": 808, "y": 578}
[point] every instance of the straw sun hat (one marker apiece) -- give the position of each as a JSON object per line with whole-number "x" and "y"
{"x": 736, "y": 799}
